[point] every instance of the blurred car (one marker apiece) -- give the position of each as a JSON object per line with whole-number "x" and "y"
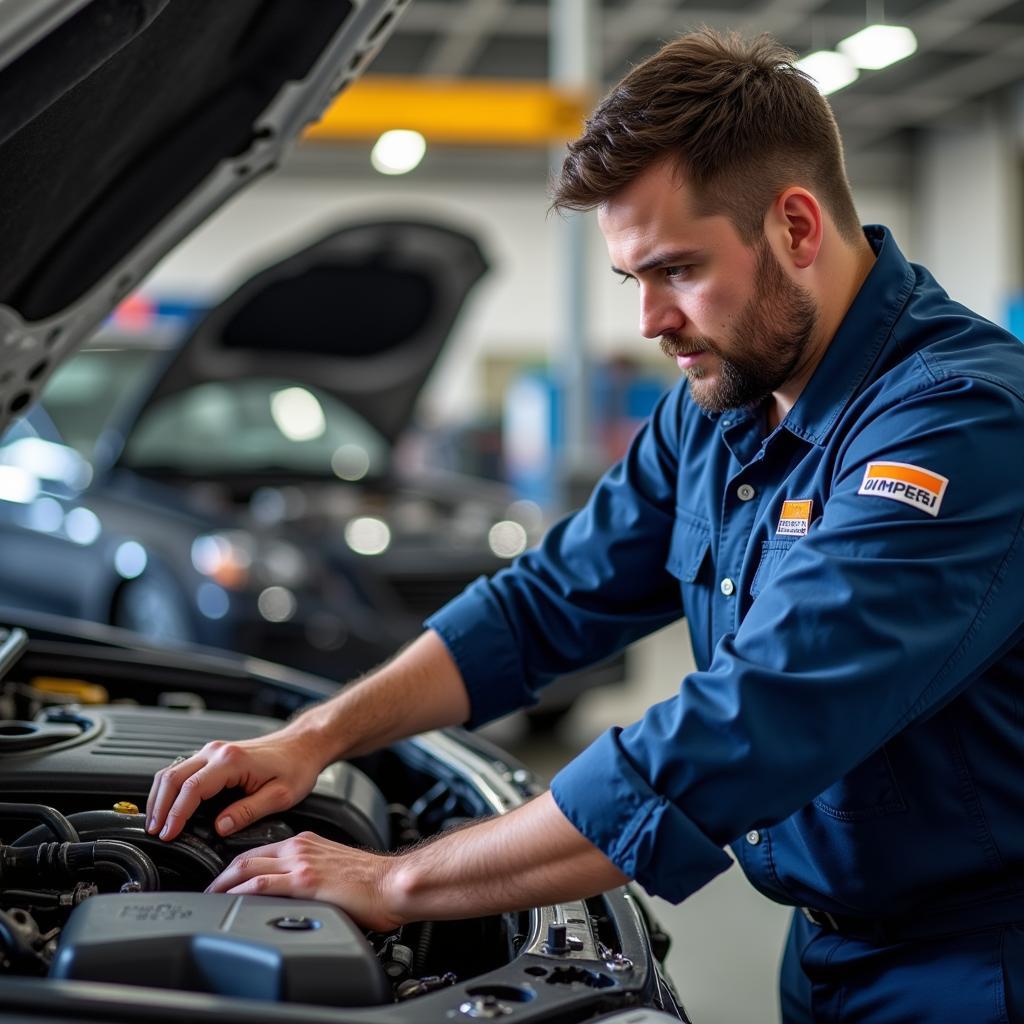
{"x": 244, "y": 493}
{"x": 241, "y": 488}
{"x": 98, "y": 920}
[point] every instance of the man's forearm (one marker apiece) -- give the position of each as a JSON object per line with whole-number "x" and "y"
{"x": 420, "y": 689}
{"x": 531, "y": 857}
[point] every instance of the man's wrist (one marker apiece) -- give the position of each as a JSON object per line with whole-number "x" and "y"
{"x": 319, "y": 737}
{"x": 400, "y": 888}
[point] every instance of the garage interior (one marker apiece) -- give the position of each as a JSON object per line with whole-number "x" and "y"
{"x": 934, "y": 146}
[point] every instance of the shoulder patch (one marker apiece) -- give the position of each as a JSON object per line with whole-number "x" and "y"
{"x": 902, "y": 482}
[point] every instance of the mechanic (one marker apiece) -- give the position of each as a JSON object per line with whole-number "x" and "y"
{"x": 834, "y": 494}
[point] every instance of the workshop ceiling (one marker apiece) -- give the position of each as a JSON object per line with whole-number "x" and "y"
{"x": 967, "y": 49}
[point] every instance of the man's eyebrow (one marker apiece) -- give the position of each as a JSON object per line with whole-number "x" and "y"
{"x": 661, "y": 259}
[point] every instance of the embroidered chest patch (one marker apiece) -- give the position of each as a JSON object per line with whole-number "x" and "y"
{"x": 902, "y": 482}
{"x": 795, "y": 518}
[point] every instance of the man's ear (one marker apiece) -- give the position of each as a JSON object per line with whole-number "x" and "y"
{"x": 795, "y": 224}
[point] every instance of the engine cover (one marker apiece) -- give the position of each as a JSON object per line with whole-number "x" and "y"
{"x": 255, "y": 947}
{"x": 86, "y": 758}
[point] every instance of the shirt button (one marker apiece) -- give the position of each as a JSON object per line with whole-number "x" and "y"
{"x": 727, "y": 587}
{"x": 745, "y": 492}
{"x": 753, "y": 837}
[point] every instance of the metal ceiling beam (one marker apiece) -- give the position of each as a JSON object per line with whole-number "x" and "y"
{"x": 486, "y": 112}
{"x": 626, "y": 28}
{"x": 469, "y": 28}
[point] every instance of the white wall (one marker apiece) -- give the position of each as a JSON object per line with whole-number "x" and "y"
{"x": 966, "y": 217}
{"x": 516, "y": 308}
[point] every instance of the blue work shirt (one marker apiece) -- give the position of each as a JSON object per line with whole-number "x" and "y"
{"x": 854, "y": 585}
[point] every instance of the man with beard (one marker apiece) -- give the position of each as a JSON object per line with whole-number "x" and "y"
{"x": 832, "y": 497}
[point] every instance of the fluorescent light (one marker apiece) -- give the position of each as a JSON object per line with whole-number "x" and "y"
{"x": 398, "y": 151}
{"x": 830, "y": 71}
{"x": 878, "y": 46}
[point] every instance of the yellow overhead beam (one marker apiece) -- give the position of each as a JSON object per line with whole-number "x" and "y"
{"x": 456, "y": 111}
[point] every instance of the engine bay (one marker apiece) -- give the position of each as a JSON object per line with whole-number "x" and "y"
{"x": 88, "y": 896}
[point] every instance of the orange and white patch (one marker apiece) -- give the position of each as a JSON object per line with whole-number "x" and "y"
{"x": 900, "y": 481}
{"x": 795, "y": 519}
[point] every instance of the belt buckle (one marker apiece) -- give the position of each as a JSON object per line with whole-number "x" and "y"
{"x": 820, "y": 918}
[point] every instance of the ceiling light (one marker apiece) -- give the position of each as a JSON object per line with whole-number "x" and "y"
{"x": 398, "y": 151}
{"x": 878, "y": 46}
{"x": 830, "y": 71}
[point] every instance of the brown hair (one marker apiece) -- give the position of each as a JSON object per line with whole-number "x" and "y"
{"x": 742, "y": 122}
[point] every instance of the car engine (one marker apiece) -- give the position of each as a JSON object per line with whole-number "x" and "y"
{"x": 87, "y": 893}
{"x": 88, "y": 897}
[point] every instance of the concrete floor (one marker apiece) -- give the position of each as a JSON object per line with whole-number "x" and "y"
{"x": 726, "y": 938}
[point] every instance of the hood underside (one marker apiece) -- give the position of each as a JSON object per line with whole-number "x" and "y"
{"x": 364, "y": 312}
{"x": 124, "y": 124}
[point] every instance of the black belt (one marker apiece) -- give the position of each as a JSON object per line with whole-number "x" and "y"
{"x": 925, "y": 923}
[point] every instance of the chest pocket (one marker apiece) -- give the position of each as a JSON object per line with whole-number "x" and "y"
{"x": 772, "y": 554}
{"x": 689, "y": 560}
{"x": 691, "y": 540}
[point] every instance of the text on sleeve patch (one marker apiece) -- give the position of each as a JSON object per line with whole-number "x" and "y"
{"x": 902, "y": 482}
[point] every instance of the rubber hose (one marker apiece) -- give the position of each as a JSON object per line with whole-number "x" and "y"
{"x": 130, "y": 828}
{"x": 65, "y": 860}
{"x": 58, "y": 825}
{"x": 423, "y": 946}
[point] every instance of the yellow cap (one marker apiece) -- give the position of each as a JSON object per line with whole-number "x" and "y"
{"x": 126, "y": 807}
{"x": 78, "y": 689}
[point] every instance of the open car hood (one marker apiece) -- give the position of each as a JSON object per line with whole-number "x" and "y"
{"x": 363, "y": 313}
{"x": 124, "y": 124}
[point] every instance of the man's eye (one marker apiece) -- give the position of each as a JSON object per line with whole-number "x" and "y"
{"x": 676, "y": 271}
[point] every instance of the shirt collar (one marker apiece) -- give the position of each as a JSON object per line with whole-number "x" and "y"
{"x": 857, "y": 344}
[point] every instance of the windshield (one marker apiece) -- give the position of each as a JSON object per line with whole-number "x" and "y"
{"x": 256, "y": 425}
{"x": 83, "y": 394}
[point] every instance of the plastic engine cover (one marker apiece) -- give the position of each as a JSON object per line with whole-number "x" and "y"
{"x": 254, "y": 947}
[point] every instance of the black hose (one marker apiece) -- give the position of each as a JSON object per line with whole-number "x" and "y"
{"x": 423, "y": 947}
{"x": 185, "y": 851}
{"x": 49, "y": 816}
{"x": 137, "y": 867}
{"x": 69, "y": 860}
{"x": 29, "y": 898}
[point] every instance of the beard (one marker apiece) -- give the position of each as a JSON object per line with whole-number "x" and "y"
{"x": 769, "y": 339}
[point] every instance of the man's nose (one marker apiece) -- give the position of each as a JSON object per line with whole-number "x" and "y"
{"x": 659, "y": 315}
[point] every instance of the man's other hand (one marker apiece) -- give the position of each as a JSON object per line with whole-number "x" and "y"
{"x": 308, "y": 866}
{"x": 276, "y": 771}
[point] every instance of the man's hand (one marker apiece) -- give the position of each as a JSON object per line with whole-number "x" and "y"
{"x": 420, "y": 689}
{"x": 532, "y": 856}
{"x": 311, "y": 867}
{"x": 276, "y": 771}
